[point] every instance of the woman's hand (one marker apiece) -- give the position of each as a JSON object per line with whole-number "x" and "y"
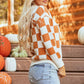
{"x": 61, "y": 72}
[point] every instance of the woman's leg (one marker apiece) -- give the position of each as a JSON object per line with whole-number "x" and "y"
{"x": 43, "y": 73}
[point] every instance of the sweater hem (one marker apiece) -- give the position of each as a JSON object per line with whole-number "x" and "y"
{"x": 43, "y": 61}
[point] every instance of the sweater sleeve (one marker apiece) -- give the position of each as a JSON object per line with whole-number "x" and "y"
{"x": 49, "y": 37}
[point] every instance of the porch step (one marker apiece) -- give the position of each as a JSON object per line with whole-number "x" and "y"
{"x": 69, "y": 51}
{"x": 71, "y": 64}
{"x": 73, "y": 57}
{"x": 71, "y": 78}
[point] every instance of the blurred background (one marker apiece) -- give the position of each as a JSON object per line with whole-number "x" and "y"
{"x": 69, "y": 14}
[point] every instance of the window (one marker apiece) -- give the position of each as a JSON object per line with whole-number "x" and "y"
{"x": 10, "y": 11}
{"x": 15, "y": 15}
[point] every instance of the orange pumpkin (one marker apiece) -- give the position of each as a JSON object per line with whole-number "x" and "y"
{"x": 2, "y": 62}
{"x": 5, "y": 46}
{"x": 5, "y": 78}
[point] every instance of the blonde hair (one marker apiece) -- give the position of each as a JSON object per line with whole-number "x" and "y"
{"x": 24, "y": 25}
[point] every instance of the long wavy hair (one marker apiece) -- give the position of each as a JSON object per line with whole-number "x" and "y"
{"x": 24, "y": 24}
{"x": 24, "y": 36}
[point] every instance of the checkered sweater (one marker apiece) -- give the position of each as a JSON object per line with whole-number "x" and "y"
{"x": 45, "y": 38}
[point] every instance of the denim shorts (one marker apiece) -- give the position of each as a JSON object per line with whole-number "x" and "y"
{"x": 43, "y": 73}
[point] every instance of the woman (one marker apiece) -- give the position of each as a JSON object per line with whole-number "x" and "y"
{"x": 37, "y": 24}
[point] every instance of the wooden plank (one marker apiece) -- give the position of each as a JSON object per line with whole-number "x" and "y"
{"x": 68, "y": 51}
{"x": 71, "y": 78}
{"x": 73, "y": 51}
{"x": 71, "y": 64}
{"x": 74, "y": 65}
{"x": 23, "y": 65}
{"x": 19, "y": 77}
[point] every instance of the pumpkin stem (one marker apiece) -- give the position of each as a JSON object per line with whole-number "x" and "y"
{"x": 20, "y": 50}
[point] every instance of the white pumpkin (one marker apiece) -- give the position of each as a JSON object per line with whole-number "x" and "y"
{"x": 81, "y": 35}
{"x": 10, "y": 64}
{"x": 12, "y": 38}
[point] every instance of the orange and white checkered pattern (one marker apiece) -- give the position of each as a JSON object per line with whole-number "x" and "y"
{"x": 45, "y": 37}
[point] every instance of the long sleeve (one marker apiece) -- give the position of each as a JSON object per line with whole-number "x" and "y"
{"x": 49, "y": 33}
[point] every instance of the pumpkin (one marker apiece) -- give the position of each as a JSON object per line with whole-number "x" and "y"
{"x": 2, "y": 62}
{"x": 81, "y": 35}
{"x": 10, "y": 64}
{"x": 5, "y": 46}
{"x": 12, "y": 38}
{"x": 5, "y": 78}
{"x": 18, "y": 52}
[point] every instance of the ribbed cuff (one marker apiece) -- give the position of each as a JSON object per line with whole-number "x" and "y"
{"x": 58, "y": 61}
